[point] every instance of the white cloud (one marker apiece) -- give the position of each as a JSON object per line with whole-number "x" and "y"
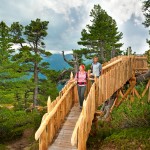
{"x": 122, "y": 10}
{"x": 68, "y": 17}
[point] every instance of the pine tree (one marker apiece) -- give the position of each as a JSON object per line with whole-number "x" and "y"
{"x": 24, "y": 75}
{"x": 35, "y": 33}
{"x": 101, "y": 36}
{"x": 9, "y": 69}
{"x": 146, "y": 10}
{"x": 31, "y": 55}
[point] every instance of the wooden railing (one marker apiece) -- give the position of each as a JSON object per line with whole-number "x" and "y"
{"x": 115, "y": 74}
{"x": 56, "y": 113}
{"x": 141, "y": 64}
{"x": 84, "y": 123}
{"x": 55, "y": 116}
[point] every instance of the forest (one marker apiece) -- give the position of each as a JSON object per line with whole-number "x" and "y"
{"x": 26, "y": 81}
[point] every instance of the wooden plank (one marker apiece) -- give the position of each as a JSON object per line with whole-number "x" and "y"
{"x": 104, "y": 86}
{"x": 100, "y": 91}
{"x": 103, "y": 90}
{"x": 137, "y": 94}
{"x": 54, "y": 147}
{"x": 146, "y": 88}
{"x": 63, "y": 138}
{"x": 43, "y": 141}
{"x": 111, "y": 64}
{"x": 149, "y": 95}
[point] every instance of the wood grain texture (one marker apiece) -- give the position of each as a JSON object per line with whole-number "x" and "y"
{"x": 62, "y": 140}
{"x": 63, "y": 127}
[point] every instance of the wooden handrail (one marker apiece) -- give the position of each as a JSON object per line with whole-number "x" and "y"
{"x": 116, "y": 73}
{"x": 49, "y": 116}
{"x": 111, "y": 64}
{"x": 121, "y": 71}
{"x": 83, "y": 123}
{"x": 141, "y": 57}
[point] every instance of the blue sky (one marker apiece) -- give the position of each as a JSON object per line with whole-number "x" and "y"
{"x": 68, "y": 17}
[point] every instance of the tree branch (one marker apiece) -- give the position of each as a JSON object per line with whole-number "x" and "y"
{"x": 63, "y": 73}
{"x": 143, "y": 77}
{"x": 71, "y": 63}
{"x": 63, "y": 81}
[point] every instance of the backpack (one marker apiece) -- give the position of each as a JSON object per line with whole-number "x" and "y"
{"x": 78, "y": 75}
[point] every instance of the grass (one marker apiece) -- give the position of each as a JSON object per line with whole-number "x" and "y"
{"x": 3, "y": 147}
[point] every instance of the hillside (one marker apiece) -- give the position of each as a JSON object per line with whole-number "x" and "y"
{"x": 57, "y": 62}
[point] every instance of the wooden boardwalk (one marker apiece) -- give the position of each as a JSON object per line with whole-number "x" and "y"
{"x": 64, "y": 127}
{"x": 62, "y": 140}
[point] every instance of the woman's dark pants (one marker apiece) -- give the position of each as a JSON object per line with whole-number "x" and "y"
{"x": 81, "y": 91}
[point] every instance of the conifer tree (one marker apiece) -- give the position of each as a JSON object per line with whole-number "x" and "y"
{"x": 101, "y": 36}
{"x": 31, "y": 54}
{"x": 146, "y": 10}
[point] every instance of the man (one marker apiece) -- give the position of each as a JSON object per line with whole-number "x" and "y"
{"x": 96, "y": 67}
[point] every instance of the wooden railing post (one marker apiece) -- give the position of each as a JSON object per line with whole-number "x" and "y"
{"x": 149, "y": 94}
{"x": 49, "y": 108}
{"x": 49, "y": 104}
{"x": 71, "y": 76}
{"x": 43, "y": 141}
{"x": 89, "y": 82}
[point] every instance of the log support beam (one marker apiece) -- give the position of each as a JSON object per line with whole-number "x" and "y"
{"x": 132, "y": 82}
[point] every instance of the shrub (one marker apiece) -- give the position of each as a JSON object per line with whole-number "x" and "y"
{"x": 128, "y": 129}
{"x": 13, "y": 123}
{"x": 136, "y": 114}
{"x": 133, "y": 138}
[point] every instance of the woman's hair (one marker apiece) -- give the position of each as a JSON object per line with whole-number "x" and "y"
{"x": 95, "y": 57}
{"x": 82, "y": 66}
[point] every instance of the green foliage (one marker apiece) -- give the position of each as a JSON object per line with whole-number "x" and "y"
{"x": 13, "y": 123}
{"x": 129, "y": 51}
{"x": 128, "y": 129}
{"x": 3, "y": 147}
{"x": 31, "y": 56}
{"x": 9, "y": 68}
{"x": 46, "y": 88}
{"x": 147, "y": 53}
{"x": 102, "y": 35}
{"x": 136, "y": 114}
{"x": 146, "y": 11}
{"x": 23, "y": 73}
{"x": 133, "y": 138}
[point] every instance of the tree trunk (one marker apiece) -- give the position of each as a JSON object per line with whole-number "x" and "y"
{"x": 35, "y": 94}
{"x": 74, "y": 63}
{"x": 113, "y": 52}
{"x": 76, "y": 67}
{"x": 102, "y": 52}
{"x": 143, "y": 77}
{"x": 25, "y": 99}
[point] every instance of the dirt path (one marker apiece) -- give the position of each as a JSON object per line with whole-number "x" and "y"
{"x": 23, "y": 143}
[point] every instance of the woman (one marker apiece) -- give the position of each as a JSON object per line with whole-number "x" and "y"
{"x": 81, "y": 78}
